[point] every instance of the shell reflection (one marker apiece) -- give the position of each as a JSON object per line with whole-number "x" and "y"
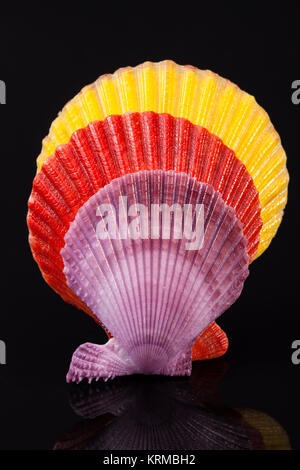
{"x": 164, "y": 413}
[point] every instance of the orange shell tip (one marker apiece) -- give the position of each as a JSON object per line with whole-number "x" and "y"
{"x": 212, "y": 343}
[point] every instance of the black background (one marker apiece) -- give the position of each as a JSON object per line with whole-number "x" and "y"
{"x": 45, "y": 61}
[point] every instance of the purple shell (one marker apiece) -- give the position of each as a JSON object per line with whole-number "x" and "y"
{"x": 152, "y": 293}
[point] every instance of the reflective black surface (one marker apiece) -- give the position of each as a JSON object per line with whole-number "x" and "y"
{"x": 157, "y": 413}
{"x": 45, "y": 61}
{"x": 215, "y": 408}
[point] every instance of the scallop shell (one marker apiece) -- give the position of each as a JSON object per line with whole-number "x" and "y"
{"x": 205, "y": 99}
{"x": 152, "y": 289}
{"x": 108, "y": 149}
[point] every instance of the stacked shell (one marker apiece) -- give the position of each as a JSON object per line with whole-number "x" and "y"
{"x": 156, "y": 187}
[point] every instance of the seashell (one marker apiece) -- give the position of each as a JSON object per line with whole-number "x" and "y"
{"x": 237, "y": 154}
{"x": 204, "y": 98}
{"x": 94, "y": 156}
{"x": 273, "y": 435}
{"x": 154, "y": 282}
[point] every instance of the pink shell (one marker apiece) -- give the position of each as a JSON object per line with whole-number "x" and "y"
{"x": 155, "y": 296}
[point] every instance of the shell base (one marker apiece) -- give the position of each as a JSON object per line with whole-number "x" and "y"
{"x": 92, "y": 362}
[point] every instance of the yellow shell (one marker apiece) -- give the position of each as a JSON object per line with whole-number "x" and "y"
{"x": 205, "y": 99}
